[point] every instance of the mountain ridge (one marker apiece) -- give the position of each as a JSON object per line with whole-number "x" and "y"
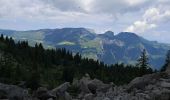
{"x": 123, "y": 47}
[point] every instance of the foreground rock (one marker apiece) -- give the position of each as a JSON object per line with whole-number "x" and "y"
{"x": 61, "y": 92}
{"x": 13, "y": 92}
{"x": 148, "y": 87}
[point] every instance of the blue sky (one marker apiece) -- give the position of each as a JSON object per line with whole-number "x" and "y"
{"x": 147, "y": 18}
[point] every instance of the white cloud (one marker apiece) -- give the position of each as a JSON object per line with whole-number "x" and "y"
{"x": 151, "y": 13}
{"x": 140, "y": 26}
{"x": 152, "y": 18}
{"x": 136, "y": 2}
{"x": 156, "y": 15}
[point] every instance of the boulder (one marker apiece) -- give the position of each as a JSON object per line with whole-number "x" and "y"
{"x": 97, "y": 85}
{"x": 165, "y": 84}
{"x": 89, "y": 96}
{"x": 141, "y": 82}
{"x": 163, "y": 94}
{"x": 13, "y": 92}
{"x": 83, "y": 84}
{"x": 43, "y": 94}
{"x": 106, "y": 98}
{"x": 60, "y": 90}
{"x": 67, "y": 96}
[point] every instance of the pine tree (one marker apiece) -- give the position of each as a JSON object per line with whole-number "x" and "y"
{"x": 167, "y": 61}
{"x": 142, "y": 62}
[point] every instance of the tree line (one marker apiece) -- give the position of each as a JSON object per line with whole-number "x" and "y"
{"x": 37, "y": 66}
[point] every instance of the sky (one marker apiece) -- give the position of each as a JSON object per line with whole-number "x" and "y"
{"x": 147, "y": 18}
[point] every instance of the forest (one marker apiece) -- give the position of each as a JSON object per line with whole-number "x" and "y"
{"x": 36, "y": 66}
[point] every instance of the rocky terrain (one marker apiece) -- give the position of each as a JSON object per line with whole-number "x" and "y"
{"x": 154, "y": 86}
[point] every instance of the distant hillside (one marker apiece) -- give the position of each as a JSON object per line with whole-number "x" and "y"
{"x": 124, "y": 47}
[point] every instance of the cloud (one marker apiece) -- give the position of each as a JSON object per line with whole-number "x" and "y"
{"x": 140, "y": 26}
{"x": 54, "y": 8}
{"x": 152, "y": 18}
{"x": 139, "y": 16}
{"x": 156, "y": 15}
{"x": 117, "y": 6}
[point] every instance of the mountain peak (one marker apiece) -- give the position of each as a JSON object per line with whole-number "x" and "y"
{"x": 109, "y": 33}
{"x": 128, "y": 35}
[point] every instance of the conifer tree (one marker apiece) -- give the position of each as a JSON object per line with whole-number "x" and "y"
{"x": 167, "y": 61}
{"x": 142, "y": 62}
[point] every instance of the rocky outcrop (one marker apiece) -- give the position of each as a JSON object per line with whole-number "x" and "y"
{"x": 43, "y": 94}
{"x": 90, "y": 87}
{"x": 61, "y": 92}
{"x": 13, "y": 92}
{"x": 148, "y": 87}
{"x": 154, "y": 86}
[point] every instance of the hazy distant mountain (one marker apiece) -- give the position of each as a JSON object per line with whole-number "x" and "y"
{"x": 124, "y": 47}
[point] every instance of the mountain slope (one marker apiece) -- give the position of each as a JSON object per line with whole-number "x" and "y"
{"x": 124, "y": 47}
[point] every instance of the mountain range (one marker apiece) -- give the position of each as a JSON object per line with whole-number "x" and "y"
{"x": 124, "y": 47}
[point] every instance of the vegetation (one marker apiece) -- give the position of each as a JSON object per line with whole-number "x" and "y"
{"x": 50, "y": 67}
{"x": 167, "y": 61}
{"x": 143, "y": 63}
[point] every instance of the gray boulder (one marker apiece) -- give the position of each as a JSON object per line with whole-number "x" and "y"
{"x": 61, "y": 92}
{"x": 67, "y": 96}
{"x": 61, "y": 89}
{"x": 89, "y": 96}
{"x": 43, "y": 94}
{"x": 13, "y": 92}
{"x": 97, "y": 85}
{"x": 141, "y": 82}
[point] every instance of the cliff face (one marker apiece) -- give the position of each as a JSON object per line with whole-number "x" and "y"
{"x": 148, "y": 87}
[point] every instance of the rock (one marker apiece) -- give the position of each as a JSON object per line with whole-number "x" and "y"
{"x": 97, "y": 85}
{"x": 165, "y": 84}
{"x": 106, "y": 98}
{"x": 13, "y": 92}
{"x": 75, "y": 83}
{"x": 60, "y": 90}
{"x": 43, "y": 94}
{"x": 141, "y": 82}
{"x": 92, "y": 87}
{"x": 50, "y": 99}
{"x": 87, "y": 75}
{"x": 163, "y": 94}
{"x": 89, "y": 96}
{"x": 83, "y": 85}
{"x": 67, "y": 96}
{"x": 168, "y": 69}
{"x": 148, "y": 87}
